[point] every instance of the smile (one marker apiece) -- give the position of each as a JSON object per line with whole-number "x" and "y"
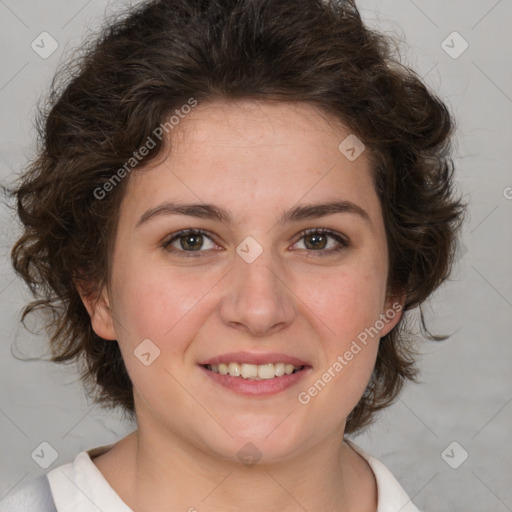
{"x": 255, "y": 379}
{"x": 254, "y": 371}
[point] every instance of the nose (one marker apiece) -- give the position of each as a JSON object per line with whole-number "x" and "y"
{"x": 257, "y": 299}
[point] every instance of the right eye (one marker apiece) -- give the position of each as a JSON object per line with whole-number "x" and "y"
{"x": 187, "y": 241}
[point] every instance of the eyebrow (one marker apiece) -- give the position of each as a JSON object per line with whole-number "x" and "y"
{"x": 211, "y": 211}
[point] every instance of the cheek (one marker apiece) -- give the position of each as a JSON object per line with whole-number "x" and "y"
{"x": 346, "y": 306}
{"x": 348, "y": 309}
{"x": 346, "y": 301}
{"x": 157, "y": 303}
{"x": 164, "y": 307}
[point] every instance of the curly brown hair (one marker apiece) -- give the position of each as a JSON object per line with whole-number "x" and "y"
{"x": 154, "y": 58}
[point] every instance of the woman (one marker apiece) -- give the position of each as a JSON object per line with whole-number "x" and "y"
{"x": 234, "y": 205}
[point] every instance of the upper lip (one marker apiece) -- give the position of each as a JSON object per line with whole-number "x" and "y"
{"x": 254, "y": 358}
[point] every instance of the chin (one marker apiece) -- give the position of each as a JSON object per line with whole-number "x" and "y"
{"x": 265, "y": 442}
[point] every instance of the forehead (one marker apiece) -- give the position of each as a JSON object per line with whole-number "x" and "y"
{"x": 255, "y": 153}
{"x": 275, "y": 127}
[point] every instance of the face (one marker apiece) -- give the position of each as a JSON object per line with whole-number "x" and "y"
{"x": 236, "y": 279}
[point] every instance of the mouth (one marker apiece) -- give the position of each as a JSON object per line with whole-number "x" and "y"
{"x": 255, "y": 380}
{"x": 247, "y": 371}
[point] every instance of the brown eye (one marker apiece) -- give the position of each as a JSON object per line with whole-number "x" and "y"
{"x": 318, "y": 240}
{"x": 189, "y": 240}
{"x": 192, "y": 241}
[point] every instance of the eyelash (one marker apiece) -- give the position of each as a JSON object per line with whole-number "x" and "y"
{"x": 343, "y": 242}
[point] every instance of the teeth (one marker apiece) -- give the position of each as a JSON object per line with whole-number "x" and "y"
{"x": 254, "y": 371}
{"x": 233, "y": 369}
{"x": 279, "y": 369}
{"x": 249, "y": 371}
{"x": 266, "y": 371}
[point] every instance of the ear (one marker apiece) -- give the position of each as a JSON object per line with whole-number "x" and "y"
{"x": 393, "y": 311}
{"x": 99, "y": 309}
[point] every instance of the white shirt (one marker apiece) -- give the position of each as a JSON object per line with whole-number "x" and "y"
{"x": 79, "y": 486}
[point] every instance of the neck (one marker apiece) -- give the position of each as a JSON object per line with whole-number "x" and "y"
{"x": 153, "y": 471}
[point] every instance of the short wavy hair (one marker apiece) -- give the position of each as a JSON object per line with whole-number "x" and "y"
{"x": 152, "y": 59}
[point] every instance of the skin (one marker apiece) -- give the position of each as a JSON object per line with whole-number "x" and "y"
{"x": 256, "y": 159}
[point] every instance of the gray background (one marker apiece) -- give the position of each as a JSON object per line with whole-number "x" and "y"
{"x": 466, "y": 386}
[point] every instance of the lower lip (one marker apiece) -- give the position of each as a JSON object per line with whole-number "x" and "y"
{"x": 257, "y": 387}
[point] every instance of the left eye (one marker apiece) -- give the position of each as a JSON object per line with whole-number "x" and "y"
{"x": 315, "y": 240}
